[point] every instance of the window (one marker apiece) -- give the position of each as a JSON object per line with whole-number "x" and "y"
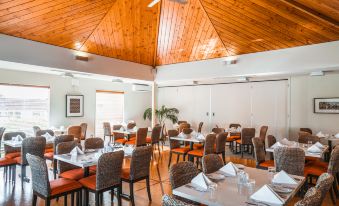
{"x": 22, "y": 107}
{"x": 109, "y": 108}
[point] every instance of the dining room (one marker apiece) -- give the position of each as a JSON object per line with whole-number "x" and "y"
{"x": 169, "y": 102}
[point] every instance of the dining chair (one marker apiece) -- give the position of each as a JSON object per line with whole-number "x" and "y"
{"x": 291, "y": 160}
{"x": 83, "y": 131}
{"x": 308, "y": 130}
{"x": 39, "y": 133}
{"x": 35, "y": 130}
{"x": 175, "y": 147}
{"x": 211, "y": 163}
{"x": 200, "y": 127}
{"x": 138, "y": 170}
{"x": 140, "y": 139}
{"x": 131, "y": 125}
{"x": 234, "y": 125}
{"x": 75, "y": 131}
{"x": 183, "y": 126}
{"x": 30, "y": 145}
{"x": 172, "y": 201}
{"x": 324, "y": 184}
{"x": 163, "y": 136}
{"x": 271, "y": 140}
{"x": 118, "y": 137}
{"x": 305, "y": 137}
{"x": 9, "y": 169}
{"x": 107, "y": 178}
{"x": 49, "y": 190}
{"x": 94, "y": 143}
{"x": 181, "y": 122}
{"x": 218, "y": 130}
{"x": 12, "y": 152}
{"x": 2, "y": 131}
{"x": 66, "y": 170}
{"x": 107, "y": 131}
{"x": 246, "y": 140}
{"x": 154, "y": 139}
{"x": 259, "y": 154}
{"x": 262, "y": 135}
{"x": 220, "y": 143}
{"x": 311, "y": 198}
{"x": 208, "y": 149}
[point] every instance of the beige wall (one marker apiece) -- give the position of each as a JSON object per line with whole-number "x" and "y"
{"x": 303, "y": 90}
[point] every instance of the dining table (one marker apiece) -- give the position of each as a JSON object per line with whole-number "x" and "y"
{"x": 191, "y": 140}
{"x": 229, "y": 192}
{"x": 127, "y": 133}
{"x": 17, "y": 144}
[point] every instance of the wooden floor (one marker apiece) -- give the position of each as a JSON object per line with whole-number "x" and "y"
{"x": 15, "y": 195}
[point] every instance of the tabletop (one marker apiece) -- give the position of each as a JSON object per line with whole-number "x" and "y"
{"x": 229, "y": 193}
{"x": 13, "y": 143}
{"x": 307, "y": 153}
{"x": 127, "y": 132}
{"x": 188, "y": 139}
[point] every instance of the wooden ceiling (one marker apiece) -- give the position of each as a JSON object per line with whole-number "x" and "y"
{"x": 170, "y": 32}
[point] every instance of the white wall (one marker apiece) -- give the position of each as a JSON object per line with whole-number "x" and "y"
{"x": 135, "y": 102}
{"x": 24, "y": 51}
{"x": 303, "y": 90}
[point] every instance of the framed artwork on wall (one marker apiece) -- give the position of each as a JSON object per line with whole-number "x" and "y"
{"x": 326, "y": 105}
{"x": 74, "y": 105}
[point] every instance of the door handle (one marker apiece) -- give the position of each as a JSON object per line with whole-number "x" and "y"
{"x": 213, "y": 114}
{"x": 207, "y": 113}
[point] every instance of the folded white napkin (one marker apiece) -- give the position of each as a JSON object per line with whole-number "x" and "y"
{"x": 318, "y": 144}
{"x": 18, "y": 138}
{"x": 194, "y": 134}
{"x": 320, "y": 134}
{"x": 337, "y": 135}
{"x": 283, "y": 178}
{"x": 314, "y": 149}
{"x": 200, "y": 136}
{"x": 47, "y": 136}
{"x": 128, "y": 150}
{"x": 229, "y": 169}
{"x": 182, "y": 135}
{"x": 278, "y": 144}
{"x": 76, "y": 150}
{"x": 106, "y": 143}
{"x": 239, "y": 129}
{"x": 201, "y": 181}
{"x": 288, "y": 143}
{"x": 135, "y": 128}
{"x": 267, "y": 195}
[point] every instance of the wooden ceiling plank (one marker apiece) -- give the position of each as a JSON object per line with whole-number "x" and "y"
{"x": 170, "y": 18}
{"x": 155, "y": 54}
{"x": 199, "y": 39}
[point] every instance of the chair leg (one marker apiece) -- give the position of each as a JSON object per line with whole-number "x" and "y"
{"x": 86, "y": 197}
{"x": 35, "y": 197}
{"x": 170, "y": 159}
{"x": 54, "y": 168}
{"x": 178, "y": 158}
{"x": 242, "y": 150}
{"x": 23, "y": 174}
{"x": 148, "y": 189}
{"x": 65, "y": 200}
{"x": 119, "y": 194}
{"x": 77, "y": 199}
{"x": 72, "y": 199}
{"x": 184, "y": 157}
{"x": 97, "y": 199}
{"x": 47, "y": 202}
{"x": 131, "y": 193}
{"x": 159, "y": 148}
{"x": 333, "y": 196}
{"x": 223, "y": 156}
{"x": 101, "y": 198}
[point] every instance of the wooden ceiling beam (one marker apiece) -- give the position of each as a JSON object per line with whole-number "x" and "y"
{"x": 312, "y": 12}
{"x": 157, "y": 36}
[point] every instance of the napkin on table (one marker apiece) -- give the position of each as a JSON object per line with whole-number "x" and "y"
{"x": 201, "y": 181}
{"x": 337, "y": 135}
{"x": 267, "y": 195}
{"x": 47, "y": 136}
{"x": 320, "y": 134}
{"x": 314, "y": 149}
{"x": 278, "y": 144}
{"x": 283, "y": 178}
{"x": 229, "y": 169}
{"x": 18, "y": 138}
{"x": 128, "y": 150}
{"x": 318, "y": 144}
{"x": 76, "y": 150}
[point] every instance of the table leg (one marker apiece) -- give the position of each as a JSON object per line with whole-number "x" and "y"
{"x": 191, "y": 158}
{"x": 86, "y": 171}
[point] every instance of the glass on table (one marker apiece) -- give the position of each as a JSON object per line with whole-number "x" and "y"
{"x": 212, "y": 189}
{"x": 271, "y": 173}
{"x": 309, "y": 143}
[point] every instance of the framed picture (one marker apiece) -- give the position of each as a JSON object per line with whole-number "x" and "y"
{"x": 74, "y": 105}
{"x": 326, "y": 105}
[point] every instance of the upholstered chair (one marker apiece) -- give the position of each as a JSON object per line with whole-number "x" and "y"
{"x": 94, "y": 143}
{"x": 262, "y": 135}
{"x": 12, "y": 152}
{"x": 184, "y": 126}
{"x": 311, "y": 198}
{"x": 107, "y": 131}
{"x": 209, "y": 148}
{"x": 154, "y": 139}
{"x": 200, "y": 127}
{"x": 140, "y": 139}
{"x": 35, "y": 130}
{"x": 246, "y": 140}
{"x": 308, "y": 130}
{"x": 211, "y": 163}
{"x": 218, "y": 130}
{"x": 75, "y": 131}
{"x": 118, "y": 137}
{"x": 271, "y": 140}
{"x": 39, "y": 133}
{"x": 259, "y": 154}
{"x": 324, "y": 184}
{"x": 220, "y": 143}
{"x": 175, "y": 147}
{"x": 83, "y": 131}
{"x": 291, "y": 160}
{"x": 172, "y": 201}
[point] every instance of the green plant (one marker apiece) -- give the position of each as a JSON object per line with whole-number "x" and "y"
{"x": 162, "y": 114}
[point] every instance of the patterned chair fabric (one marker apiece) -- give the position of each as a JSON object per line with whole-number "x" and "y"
{"x": 311, "y": 198}
{"x": 308, "y": 130}
{"x": 107, "y": 129}
{"x": 259, "y": 153}
{"x": 324, "y": 184}
{"x": 2, "y": 131}
{"x": 291, "y": 160}
{"x": 262, "y": 134}
{"x": 117, "y": 135}
{"x": 62, "y": 138}
{"x": 39, "y": 133}
{"x": 173, "y": 143}
{"x": 209, "y": 144}
{"x": 34, "y": 146}
{"x": 75, "y": 131}
{"x": 141, "y": 136}
{"x": 181, "y": 122}
{"x": 8, "y": 136}
{"x": 235, "y": 125}
{"x": 64, "y": 148}
{"x": 220, "y": 142}
{"x": 83, "y": 130}
{"x": 140, "y": 162}
{"x": 187, "y": 130}
{"x": 94, "y": 143}
{"x": 211, "y": 163}
{"x": 131, "y": 125}
{"x": 183, "y": 126}
{"x": 182, "y": 173}
{"x": 271, "y": 140}
{"x": 304, "y": 137}
{"x": 155, "y": 136}
{"x": 40, "y": 182}
{"x": 200, "y": 126}
{"x": 172, "y": 201}
{"x": 35, "y": 130}
{"x": 218, "y": 130}
{"x": 333, "y": 166}
{"x": 246, "y": 135}
{"x": 109, "y": 170}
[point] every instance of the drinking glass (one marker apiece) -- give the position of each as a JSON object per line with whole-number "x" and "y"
{"x": 212, "y": 188}
{"x": 309, "y": 143}
{"x": 271, "y": 172}
{"x": 250, "y": 186}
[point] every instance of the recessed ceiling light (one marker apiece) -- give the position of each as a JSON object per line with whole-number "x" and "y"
{"x": 243, "y": 79}
{"x": 317, "y": 73}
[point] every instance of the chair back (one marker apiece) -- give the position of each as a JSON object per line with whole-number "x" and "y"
{"x": 94, "y": 143}
{"x": 117, "y": 135}
{"x": 172, "y": 201}
{"x": 200, "y": 126}
{"x": 218, "y": 130}
{"x": 324, "y": 183}
{"x": 61, "y": 138}
{"x": 75, "y": 131}
{"x": 173, "y": 143}
{"x": 304, "y": 137}
{"x": 184, "y": 126}
{"x": 8, "y": 136}
{"x": 131, "y": 125}
{"x": 140, "y": 139}
{"x": 39, "y": 133}
{"x": 211, "y": 163}
{"x": 117, "y": 126}
{"x": 235, "y": 125}
{"x": 220, "y": 142}
{"x": 35, "y": 130}
{"x": 83, "y": 130}
{"x": 246, "y": 135}
{"x": 263, "y": 132}
{"x": 34, "y": 146}
{"x": 259, "y": 153}
{"x": 40, "y": 182}
{"x": 156, "y": 132}
{"x": 308, "y": 130}
{"x": 333, "y": 165}
{"x": 107, "y": 129}
{"x": 181, "y": 122}
{"x": 291, "y": 160}
{"x": 271, "y": 140}
{"x": 182, "y": 173}
{"x": 311, "y": 198}
{"x": 140, "y": 162}
{"x": 65, "y": 148}
{"x": 209, "y": 144}
{"x": 2, "y": 131}
{"x": 109, "y": 169}
{"x": 187, "y": 130}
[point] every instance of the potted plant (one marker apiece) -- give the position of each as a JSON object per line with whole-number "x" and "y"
{"x": 163, "y": 114}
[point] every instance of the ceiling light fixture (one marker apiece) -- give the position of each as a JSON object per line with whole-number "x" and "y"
{"x": 317, "y": 73}
{"x": 243, "y": 79}
{"x": 153, "y": 3}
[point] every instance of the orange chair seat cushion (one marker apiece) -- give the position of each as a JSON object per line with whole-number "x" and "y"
{"x": 49, "y": 155}
{"x": 232, "y": 138}
{"x": 63, "y": 185}
{"x": 89, "y": 182}
{"x": 93, "y": 168}
{"x": 121, "y": 141}
{"x": 132, "y": 138}
{"x": 315, "y": 168}
{"x": 125, "y": 173}
{"x": 148, "y": 140}
{"x": 6, "y": 162}
{"x": 196, "y": 152}
{"x": 18, "y": 160}
{"x": 311, "y": 159}
{"x": 131, "y": 142}
{"x": 181, "y": 150}
{"x": 198, "y": 146}
{"x": 48, "y": 150}
{"x": 13, "y": 155}
{"x": 75, "y": 174}
{"x": 267, "y": 163}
